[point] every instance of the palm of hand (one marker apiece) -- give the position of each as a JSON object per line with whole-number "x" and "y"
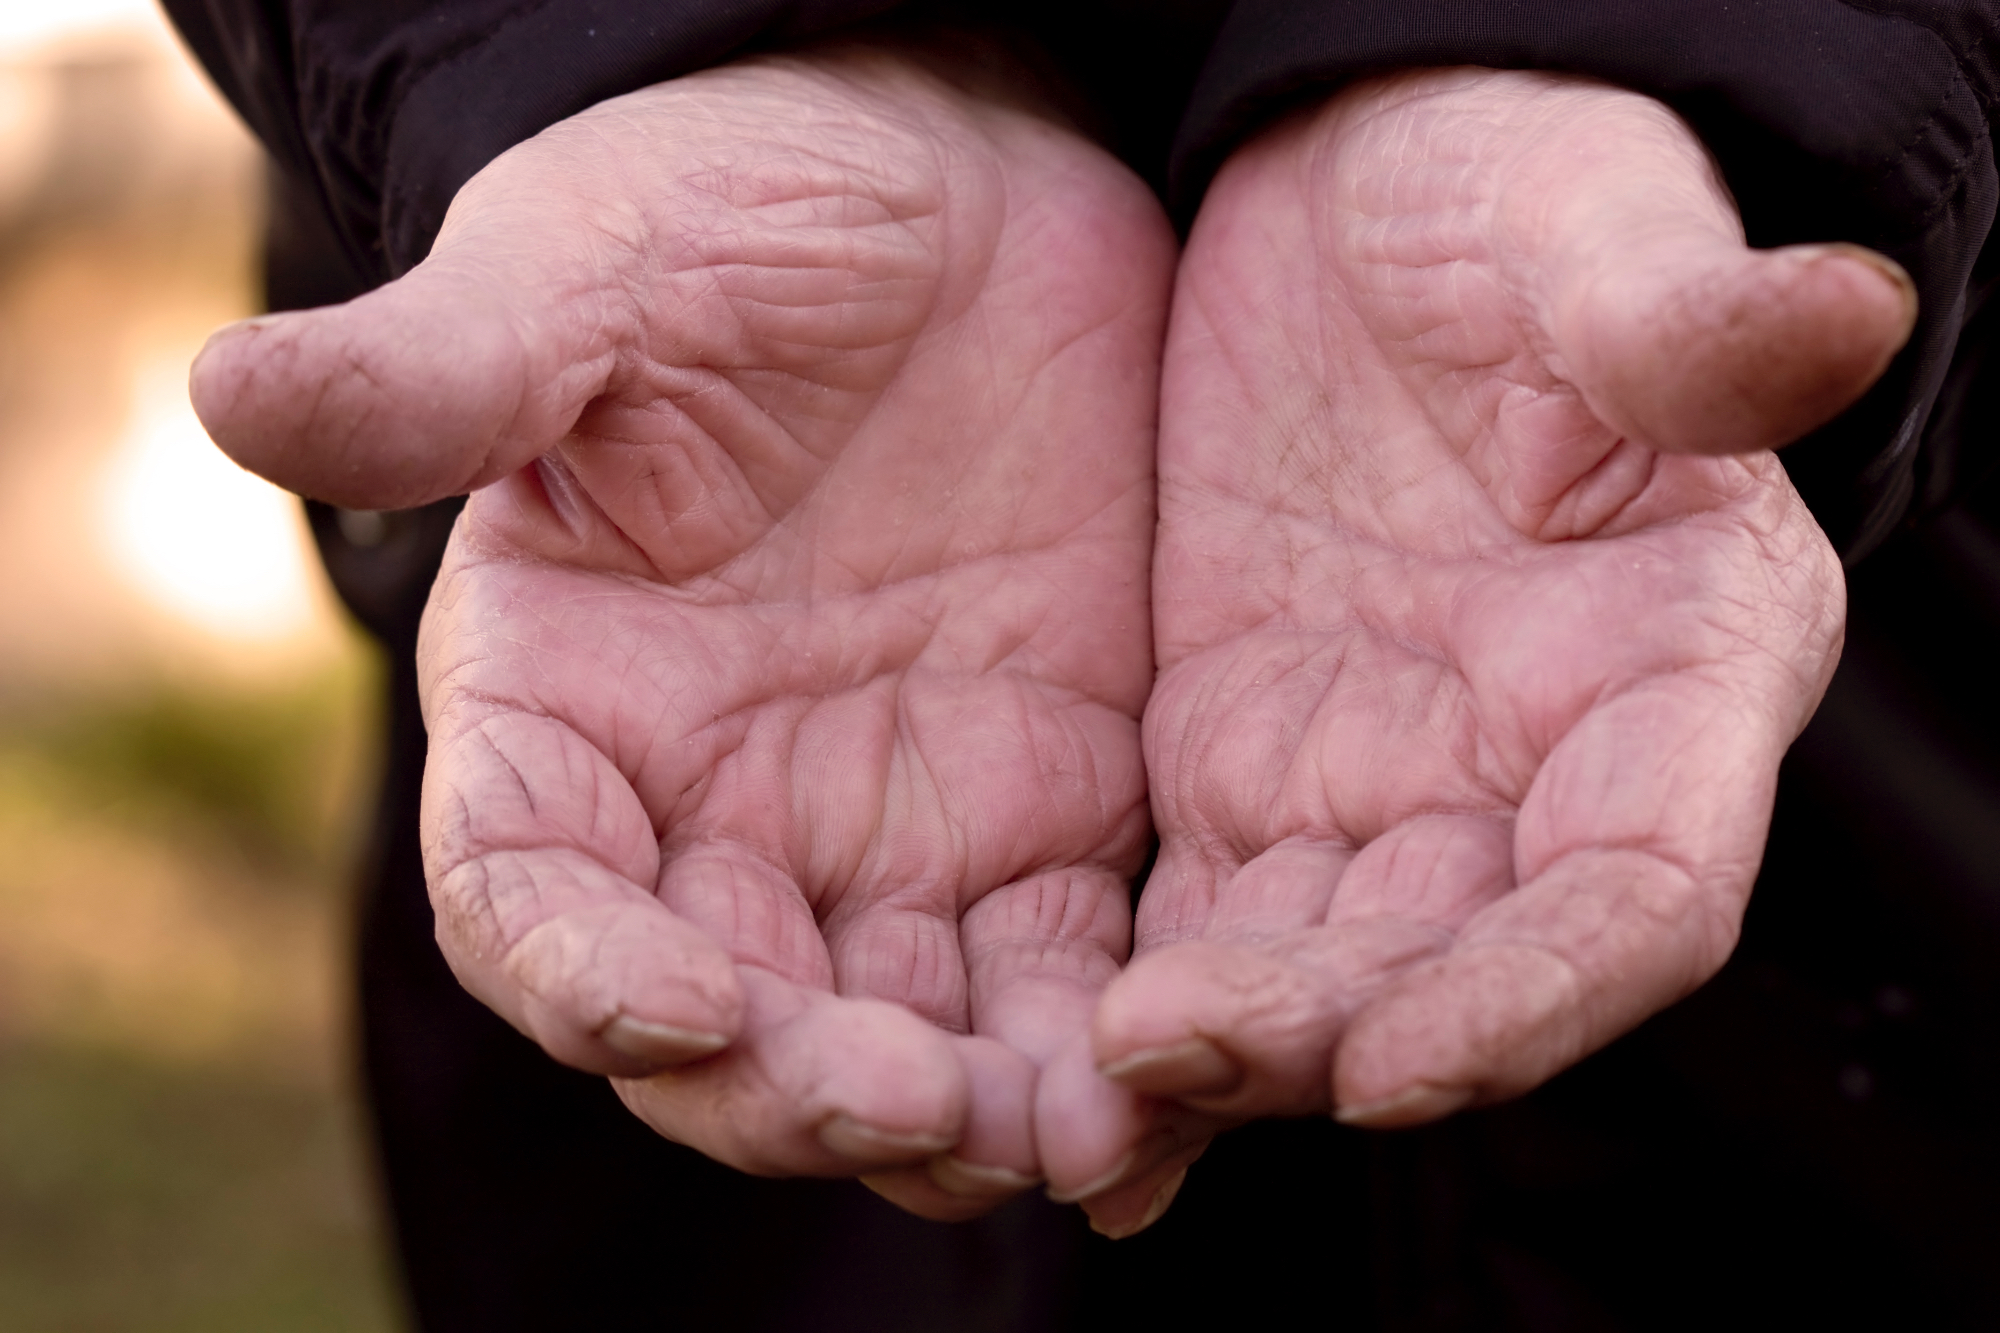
{"x": 800, "y": 676}
{"x": 1472, "y": 693}
{"x": 791, "y": 699}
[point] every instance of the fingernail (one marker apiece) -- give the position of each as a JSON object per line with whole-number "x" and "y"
{"x": 1195, "y": 1067}
{"x": 852, "y": 1138}
{"x": 970, "y": 1180}
{"x": 1163, "y": 1198}
{"x": 1875, "y": 259}
{"x": 1414, "y": 1105}
{"x": 660, "y": 1042}
{"x": 1109, "y": 1180}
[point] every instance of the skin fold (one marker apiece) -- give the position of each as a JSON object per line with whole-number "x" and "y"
{"x": 791, "y": 676}
{"x": 1483, "y": 612}
{"x": 784, "y": 674}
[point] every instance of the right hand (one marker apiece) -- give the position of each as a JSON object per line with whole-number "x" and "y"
{"x": 783, "y": 677}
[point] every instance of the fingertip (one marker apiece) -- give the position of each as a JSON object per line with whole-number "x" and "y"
{"x": 1195, "y": 1067}
{"x": 216, "y": 357}
{"x": 996, "y": 1151}
{"x": 882, "y": 1087}
{"x": 816, "y": 1085}
{"x": 216, "y": 379}
{"x": 417, "y": 390}
{"x": 1111, "y": 1224}
{"x": 1136, "y": 1204}
{"x": 231, "y": 336}
{"x": 1482, "y": 1024}
{"x": 1863, "y": 305}
{"x": 1892, "y": 282}
{"x": 1417, "y": 1104}
{"x": 1087, "y": 1128}
{"x": 1227, "y": 1029}
{"x": 1160, "y": 1003}
{"x": 623, "y": 1048}
{"x": 973, "y": 1180}
{"x": 1110, "y": 1178}
{"x": 1723, "y": 350}
{"x": 858, "y": 1140}
{"x": 661, "y": 1045}
{"x": 684, "y": 1000}
{"x": 1451, "y": 1031}
{"x": 620, "y": 987}
{"x": 262, "y": 388}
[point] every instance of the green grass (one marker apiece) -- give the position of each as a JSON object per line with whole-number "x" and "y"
{"x": 271, "y": 772}
{"x": 147, "y": 1198}
{"x": 157, "y": 838}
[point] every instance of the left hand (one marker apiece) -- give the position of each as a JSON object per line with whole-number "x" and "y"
{"x": 1483, "y": 613}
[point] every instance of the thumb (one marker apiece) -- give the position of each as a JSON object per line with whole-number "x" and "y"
{"x": 438, "y": 383}
{"x": 1727, "y": 353}
{"x": 1682, "y": 338}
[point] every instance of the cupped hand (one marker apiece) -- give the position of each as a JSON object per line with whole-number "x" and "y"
{"x": 784, "y": 674}
{"x": 1484, "y": 613}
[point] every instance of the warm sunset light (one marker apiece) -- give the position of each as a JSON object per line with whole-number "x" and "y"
{"x": 197, "y": 535}
{"x": 26, "y": 25}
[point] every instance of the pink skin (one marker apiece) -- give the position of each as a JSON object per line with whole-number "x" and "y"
{"x": 1483, "y": 612}
{"x": 784, "y": 675}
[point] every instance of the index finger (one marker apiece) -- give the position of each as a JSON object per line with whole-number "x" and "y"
{"x": 538, "y": 854}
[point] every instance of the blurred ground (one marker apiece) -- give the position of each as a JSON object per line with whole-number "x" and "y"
{"x": 184, "y": 722}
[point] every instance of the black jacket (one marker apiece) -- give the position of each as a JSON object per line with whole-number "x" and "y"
{"x": 1808, "y": 1141}
{"x": 1860, "y": 120}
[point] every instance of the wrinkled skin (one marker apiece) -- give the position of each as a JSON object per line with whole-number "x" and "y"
{"x": 1483, "y": 613}
{"x": 784, "y": 678}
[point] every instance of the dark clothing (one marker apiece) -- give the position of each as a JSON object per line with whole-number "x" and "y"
{"x": 1811, "y": 1140}
{"x": 1832, "y": 119}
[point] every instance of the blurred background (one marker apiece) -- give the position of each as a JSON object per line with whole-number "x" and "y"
{"x": 184, "y": 741}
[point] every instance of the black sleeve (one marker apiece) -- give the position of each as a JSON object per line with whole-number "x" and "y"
{"x": 384, "y": 108}
{"x": 1859, "y": 120}
{"x": 376, "y": 111}
{"x": 1863, "y": 120}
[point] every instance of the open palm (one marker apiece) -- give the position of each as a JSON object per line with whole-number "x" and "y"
{"x": 784, "y": 678}
{"x": 1482, "y": 623}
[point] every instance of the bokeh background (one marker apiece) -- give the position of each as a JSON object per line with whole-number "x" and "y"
{"x": 184, "y": 741}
